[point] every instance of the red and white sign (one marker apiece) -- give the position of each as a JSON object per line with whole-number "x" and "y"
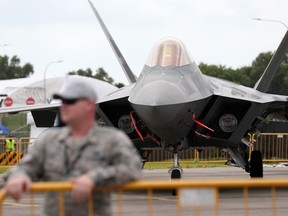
{"x": 8, "y": 101}
{"x": 30, "y": 101}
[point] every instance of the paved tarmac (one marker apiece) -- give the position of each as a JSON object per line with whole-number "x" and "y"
{"x": 231, "y": 202}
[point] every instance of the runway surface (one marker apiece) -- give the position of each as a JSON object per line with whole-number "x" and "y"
{"x": 231, "y": 201}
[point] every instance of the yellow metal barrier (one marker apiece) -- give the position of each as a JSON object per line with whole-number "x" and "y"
{"x": 21, "y": 148}
{"x": 274, "y": 147}
{"x": 9, "y": 158}
{"x": 24, "y": 143}
{"x": 201, "y": 197}
{"x": 191, "y": 154}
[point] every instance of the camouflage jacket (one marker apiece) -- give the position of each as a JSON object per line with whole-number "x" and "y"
{"x": 106, "y": 154}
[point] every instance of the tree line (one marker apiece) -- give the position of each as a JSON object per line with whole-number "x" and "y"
{"x": 247, "y": 75}
{"x": 100, "y": 74}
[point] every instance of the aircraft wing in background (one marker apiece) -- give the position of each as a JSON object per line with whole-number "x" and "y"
{"x": 44, "y": 114}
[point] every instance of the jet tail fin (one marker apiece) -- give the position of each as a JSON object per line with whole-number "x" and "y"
{"x": 265, "y": 80}
{"x": 129, "y": 74}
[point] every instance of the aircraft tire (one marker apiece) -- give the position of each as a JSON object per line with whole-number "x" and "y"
{"x": 175, "y": 174}
{"x": 256, "y": 165}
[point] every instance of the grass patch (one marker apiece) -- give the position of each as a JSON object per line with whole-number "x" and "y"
{"x": 4, "y": 169}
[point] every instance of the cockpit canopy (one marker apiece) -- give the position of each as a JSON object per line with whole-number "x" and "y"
{"x": 168, "y": 52}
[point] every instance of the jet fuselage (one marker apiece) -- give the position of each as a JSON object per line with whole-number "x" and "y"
{"x": 170, "y": 90}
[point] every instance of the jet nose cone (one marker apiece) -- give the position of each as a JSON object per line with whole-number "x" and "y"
{"x": 158, "y": 93}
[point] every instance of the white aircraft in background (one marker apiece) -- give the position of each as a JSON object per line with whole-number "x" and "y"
{"x": 26, "y": 93}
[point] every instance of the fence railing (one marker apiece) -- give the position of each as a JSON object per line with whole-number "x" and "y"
{"x": 203, "y": 197}
{"x": 21, "y": 148}
{"x": 274, "y": 147}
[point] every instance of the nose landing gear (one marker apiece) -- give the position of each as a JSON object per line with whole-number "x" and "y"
{"x": 176, "y": 171}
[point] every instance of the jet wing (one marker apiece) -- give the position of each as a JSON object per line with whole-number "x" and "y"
{"x": 229, "y": 89}
{"x": 44, "y": 115}
{"x": 115, "y": 95}
{"x": 27, "y": 108}
{"x": 235, "y": 110}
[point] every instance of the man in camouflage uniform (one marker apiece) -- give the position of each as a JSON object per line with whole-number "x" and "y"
{"x": 81, "y": 152}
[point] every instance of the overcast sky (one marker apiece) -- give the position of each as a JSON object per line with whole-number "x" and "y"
{"x": 214, "y": 31}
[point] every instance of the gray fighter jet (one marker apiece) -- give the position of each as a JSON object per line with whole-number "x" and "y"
{"x": 173, "y": 106}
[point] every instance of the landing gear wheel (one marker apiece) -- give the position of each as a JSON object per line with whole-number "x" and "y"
{"x": 175, "y": 173}
{"x": 256, "y": 165}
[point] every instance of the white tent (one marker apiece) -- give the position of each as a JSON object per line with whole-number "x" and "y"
{"x": 38, "y": 91}
{"x": 19, "y": 90}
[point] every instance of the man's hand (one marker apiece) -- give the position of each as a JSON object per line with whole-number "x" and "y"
{"x": 15, "y": 186}
{"x": 82, "y": 188}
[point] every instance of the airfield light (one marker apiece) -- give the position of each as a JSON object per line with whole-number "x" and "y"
{"x": 52, "y": 62}
{"x": 269, "y": 20}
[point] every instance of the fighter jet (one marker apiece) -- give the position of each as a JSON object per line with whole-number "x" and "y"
{"x": 173, "y": 106}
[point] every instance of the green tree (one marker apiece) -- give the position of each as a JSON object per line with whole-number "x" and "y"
{"x": 240, "y": 76}
{"x": 249, "y": 75}
{"x": 259, "y": 65}
{"x": 119, "y": 85}
{"x": 88, "y": 72}
{"x": 279, "y": 84}
{"x": 100, "y": 74}
{"x": 10, "y": 68}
